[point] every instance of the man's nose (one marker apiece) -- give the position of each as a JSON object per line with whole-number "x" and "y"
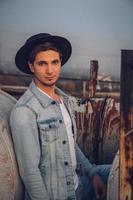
{"x": 49, "y": 69}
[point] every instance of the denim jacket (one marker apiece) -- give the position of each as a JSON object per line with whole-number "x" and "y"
{"x": 42, "y": 149}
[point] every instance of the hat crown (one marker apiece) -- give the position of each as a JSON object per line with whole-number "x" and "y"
{"x": 37, "y": 36}
{"x": 21, "y": 58}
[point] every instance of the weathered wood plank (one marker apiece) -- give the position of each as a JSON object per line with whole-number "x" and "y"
{"x": 93, "y": 77}
{"x": 126, "y": 129}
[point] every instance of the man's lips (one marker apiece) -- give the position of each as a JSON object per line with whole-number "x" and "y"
{"x": 50, "y": 78}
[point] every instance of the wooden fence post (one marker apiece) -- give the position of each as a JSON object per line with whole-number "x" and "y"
{"x": 93, "y": 77}
{"x": 126, "y": 126}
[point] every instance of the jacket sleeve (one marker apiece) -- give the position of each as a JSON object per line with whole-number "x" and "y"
{"x": 27, "y": 149}
{"x": 83, "y": 164}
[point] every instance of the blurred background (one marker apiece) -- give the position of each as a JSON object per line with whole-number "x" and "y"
{"x": 98, "y": 30}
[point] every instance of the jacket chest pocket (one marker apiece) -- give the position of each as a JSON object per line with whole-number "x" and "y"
{"x": 49, "y": 131}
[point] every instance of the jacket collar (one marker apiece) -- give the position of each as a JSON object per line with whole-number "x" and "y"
{"x": 44, "y": 99}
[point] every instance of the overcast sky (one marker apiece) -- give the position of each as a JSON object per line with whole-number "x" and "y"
{"x": 97, "y": 29}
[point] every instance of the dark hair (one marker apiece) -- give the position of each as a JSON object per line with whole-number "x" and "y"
{"x": 43, "y": 47}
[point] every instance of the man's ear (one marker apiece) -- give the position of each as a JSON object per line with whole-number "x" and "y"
{"x": 31, "y": 67}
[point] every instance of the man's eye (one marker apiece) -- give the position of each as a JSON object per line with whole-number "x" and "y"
{"x": 41, "y": 63}
{"x": 55, "y": 62}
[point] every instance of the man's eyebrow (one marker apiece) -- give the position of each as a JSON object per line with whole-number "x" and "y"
{"x": 42, "y": 62}
{"x": 55, "y": 60}
{"x": 46, "y": 62}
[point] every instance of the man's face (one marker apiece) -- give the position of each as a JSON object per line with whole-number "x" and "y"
{"x": 46, "y": 68}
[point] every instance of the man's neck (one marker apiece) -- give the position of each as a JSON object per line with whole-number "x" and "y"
{"x": 49, "y": 90}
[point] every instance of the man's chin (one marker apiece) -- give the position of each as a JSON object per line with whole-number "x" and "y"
{"x": 49, "y": 84}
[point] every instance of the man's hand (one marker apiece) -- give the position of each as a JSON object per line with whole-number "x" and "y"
{"x": 99, "y": 187}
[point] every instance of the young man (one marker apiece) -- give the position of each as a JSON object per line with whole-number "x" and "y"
{"x": 43, "y": 127}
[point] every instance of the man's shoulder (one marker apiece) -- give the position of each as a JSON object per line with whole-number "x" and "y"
{"x": 25, "y": 98}
{"x": 61, "y": 92}
{"x": 64, "y": 95}
{"x": 28, "y": 99}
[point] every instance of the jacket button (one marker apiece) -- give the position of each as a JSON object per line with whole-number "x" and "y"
{"x": 60, "y": 121}
{"x": 53, "y": 102}
{"x": 66, "y": 163}
{"x": 64, "y": 142}
{"x": 68, "y": 182}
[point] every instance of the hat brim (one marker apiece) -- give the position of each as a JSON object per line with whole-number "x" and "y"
{"x": 21, "y": 58}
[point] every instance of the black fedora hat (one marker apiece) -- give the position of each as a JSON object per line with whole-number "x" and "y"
{"x": 21, "y": 58}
